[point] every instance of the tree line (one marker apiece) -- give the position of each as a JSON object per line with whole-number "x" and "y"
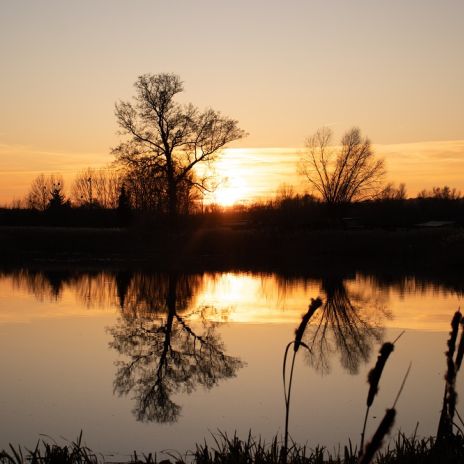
{"x": 155, "y": 169}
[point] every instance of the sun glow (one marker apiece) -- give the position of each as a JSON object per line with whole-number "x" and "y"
{"x": 231, "y": 191}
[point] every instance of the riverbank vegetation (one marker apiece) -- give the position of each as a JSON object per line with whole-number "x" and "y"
{"x": 250, "y": 450}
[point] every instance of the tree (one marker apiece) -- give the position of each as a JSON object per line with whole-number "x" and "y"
{"x": 42, "y": 189}
{"x": 169, "y": 139}
{"x": 344, "y": 174}
{"x": 96, "y": 188}
{"x": 124, "y": 208}
{"x": 390, "y": 192}
{"x": 57, "y": 200}
{"x": 440, "y": 193}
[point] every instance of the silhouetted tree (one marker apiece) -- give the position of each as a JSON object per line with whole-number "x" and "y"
{"x": 96, "y": 188}
{"x": 390, "y": 192}
{"x": 147, "y": 189}
{"x": 440, "y": 193}
{"x": 166, "y": 355}
{"x": 42, "y": 189}
{"x": 341, "y": 175}
{"x": 124, "y": 207}
{"x": 168, "y": 138}
{"x": 57, "y": 199}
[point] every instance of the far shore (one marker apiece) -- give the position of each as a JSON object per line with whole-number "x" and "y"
{"x": 434, "y": 251}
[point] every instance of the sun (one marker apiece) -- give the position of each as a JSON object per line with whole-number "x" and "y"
{"x": 232, "y": 190}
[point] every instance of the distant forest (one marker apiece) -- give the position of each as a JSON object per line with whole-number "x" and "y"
{"x": 102, "y": 198}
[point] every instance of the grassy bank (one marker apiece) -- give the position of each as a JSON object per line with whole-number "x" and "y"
{"x": 222, "y": 248}
{"x": 233, "y": 450}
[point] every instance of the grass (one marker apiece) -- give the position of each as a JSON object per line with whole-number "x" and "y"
{"x": 233, "y": 450}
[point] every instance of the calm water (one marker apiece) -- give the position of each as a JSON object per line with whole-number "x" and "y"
{"x": 153, "y": 362}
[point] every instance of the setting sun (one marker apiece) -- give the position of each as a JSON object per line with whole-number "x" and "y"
{"x": 231, "y": 191}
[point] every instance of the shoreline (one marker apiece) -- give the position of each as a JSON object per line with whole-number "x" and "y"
{"x": 242, "y": 249}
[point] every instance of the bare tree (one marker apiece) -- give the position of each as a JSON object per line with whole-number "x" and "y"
{"x": 390, "y": 192}
{"x": 344, "y": 174}
{"x": 440, "y": 193}
{"x": 169, "y": 138}
{"x": 147, "y": 189}
{"x": 42, "y": 189}
{"x": 284, "y": 193}
{"x": 94, "y": 187}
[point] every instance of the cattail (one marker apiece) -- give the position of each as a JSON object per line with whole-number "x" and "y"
{"x": 453, "y": 334}
{"x": 460, "y": 353}
{"x": 377, "y": 440}
{"x": 375, "y": 373}
{"x": 315, "y": 303}
{"x": 373, "y": 378}
{"x": 445, "y": 425}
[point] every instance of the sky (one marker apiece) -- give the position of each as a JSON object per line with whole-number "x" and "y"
{"x": 282, "y": 69}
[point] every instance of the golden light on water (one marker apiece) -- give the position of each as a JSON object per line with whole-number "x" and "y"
{"x": 232, "y": 297}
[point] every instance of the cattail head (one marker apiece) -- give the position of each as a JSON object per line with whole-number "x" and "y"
{"x": 453, "y": 334}
{"x": 315, "y": 303}
{"x": 377, "y": 439}
{"x": 460, "y": 353}
{"x": 375, "y": 373}
{"x": 449, "y": 401}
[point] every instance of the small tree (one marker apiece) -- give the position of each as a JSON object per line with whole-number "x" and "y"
{"x": 41, "y": 191}
{"x": 344, "y": 174}
{"x": 57, "y": 200}
{"x": 168, "y": 138}
{"x": 124, "y": 208}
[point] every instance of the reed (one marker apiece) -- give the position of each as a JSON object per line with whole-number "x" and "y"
{"x": 373, "y": 378}
{"x": 297, "y": 342}
{"x": 445, "y": 424}
{"x": 383, "y": 429}
{"x": 377, "y": 439}
{"x": 460, "y": 353}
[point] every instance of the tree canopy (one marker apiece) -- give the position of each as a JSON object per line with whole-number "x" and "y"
{"x": 168, "y": 140}
{"x": 345, "y": 173}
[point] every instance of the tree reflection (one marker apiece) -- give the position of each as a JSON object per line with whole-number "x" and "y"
{"x": 348, "y": 324}
{"x": 47, "y": 284}
{"x": 167, "y": 355}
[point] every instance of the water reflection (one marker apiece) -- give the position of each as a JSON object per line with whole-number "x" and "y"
{"x": 348, "y": 324}
{"x": 168, "y": 335}
{"x": 166, "y": 353}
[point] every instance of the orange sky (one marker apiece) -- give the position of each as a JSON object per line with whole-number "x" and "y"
{"x": 282, "y": 69}
{"x": 249, "y": 174}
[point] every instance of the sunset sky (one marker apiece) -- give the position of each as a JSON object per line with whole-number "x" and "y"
{"x": 282, "y": 69}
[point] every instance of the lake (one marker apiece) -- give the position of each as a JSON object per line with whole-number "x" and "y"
{"x": 161, "y": 361}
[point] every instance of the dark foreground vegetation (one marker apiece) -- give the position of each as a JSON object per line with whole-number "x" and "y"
{"x": 233, "y": 450}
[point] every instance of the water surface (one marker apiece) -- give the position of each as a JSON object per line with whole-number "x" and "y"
{"x": 149, "y": 362}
